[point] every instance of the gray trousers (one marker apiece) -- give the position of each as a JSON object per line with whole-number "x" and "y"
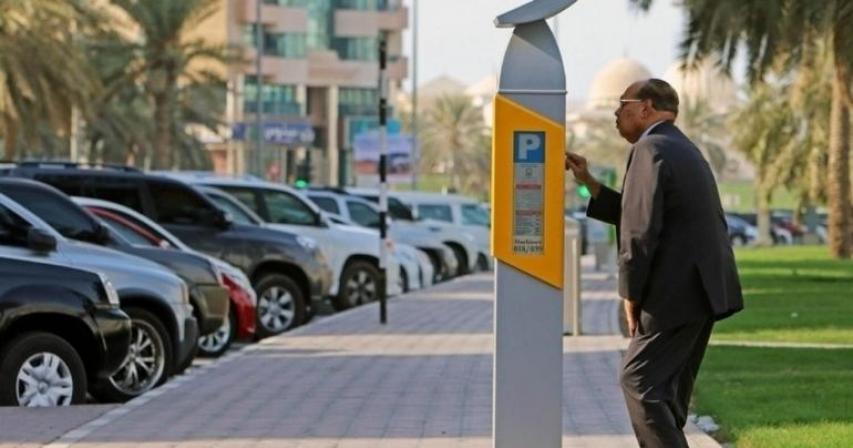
{"x": 657, "y": 378}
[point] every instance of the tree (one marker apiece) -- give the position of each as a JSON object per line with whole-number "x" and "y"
{"x": 43, "y": 71}
{"x": 175, "y": 73}
{"x": 706, "y": 128}
{"x": 454, "y": 141}
{"x": 781, "y": 32}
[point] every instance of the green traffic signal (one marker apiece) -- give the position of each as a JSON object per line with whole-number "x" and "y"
{"x": 583, "y": 191}
{"x": 301, "y": 183}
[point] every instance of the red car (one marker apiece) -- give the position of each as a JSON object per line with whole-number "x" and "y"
{"x": 140, "y": 230}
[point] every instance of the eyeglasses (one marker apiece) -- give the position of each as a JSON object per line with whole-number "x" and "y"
{"x": 623, "y": 102}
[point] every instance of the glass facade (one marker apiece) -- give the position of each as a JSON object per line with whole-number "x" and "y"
{"x": 282, "y": 45}
{"x": 364, "y": 5}
{"x": 358, "y": 101}
{"x": 357, "y": 48}
{"x": 319, "y": 24}
{"x": 276, "y": 99}
{"x": 289, "y": 3}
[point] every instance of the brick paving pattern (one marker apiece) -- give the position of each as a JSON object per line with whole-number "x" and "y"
{"x": 423, "y": 380}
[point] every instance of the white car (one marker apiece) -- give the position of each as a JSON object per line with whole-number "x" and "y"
{"x": 360, "y": 211}
{"x": 460, "y": 239}
{"x": 457, "y": 211}
{"x": 352, "y": 252}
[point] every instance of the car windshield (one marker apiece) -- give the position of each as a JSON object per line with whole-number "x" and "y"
{"x": 474, "y": 215}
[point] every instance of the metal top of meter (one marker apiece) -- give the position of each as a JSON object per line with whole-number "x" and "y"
{"x": 531, "y": 12}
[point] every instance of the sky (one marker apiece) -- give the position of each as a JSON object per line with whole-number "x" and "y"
{"x": 457, "y": 38}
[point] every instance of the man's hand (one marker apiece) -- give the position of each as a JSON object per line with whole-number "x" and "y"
{"x": 580, "y": 169}
{"x": 632, "y": 314}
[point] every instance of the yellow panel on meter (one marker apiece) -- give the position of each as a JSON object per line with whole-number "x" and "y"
{"x": 528, "y": 168}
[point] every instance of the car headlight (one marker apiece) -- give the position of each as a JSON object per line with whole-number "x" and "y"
{"x": 112, "y": 293}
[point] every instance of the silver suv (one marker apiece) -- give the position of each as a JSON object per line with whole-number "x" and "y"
{"x": 163, "y": 328}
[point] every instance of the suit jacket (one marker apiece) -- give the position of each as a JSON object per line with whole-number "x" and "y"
{"x": 675, "y": 256}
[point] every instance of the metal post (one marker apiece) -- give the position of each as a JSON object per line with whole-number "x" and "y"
{"x": 528, "y": 201}
{"x": 416, "y": 154}
{"x": 383, "y": 186}
{"x": 259, "y": 84}
{"x": 572, "y": 284}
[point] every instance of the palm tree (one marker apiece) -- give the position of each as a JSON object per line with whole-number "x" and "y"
{"x": 763, "y": 128}
{"x": 171, "y": 68}
{"x": 43, "y": 71}
{"x": 452, "y": 140}
{"x": 781, "y": 32}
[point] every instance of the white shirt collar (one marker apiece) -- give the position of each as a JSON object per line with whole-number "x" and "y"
{"x": 649, "y": 129}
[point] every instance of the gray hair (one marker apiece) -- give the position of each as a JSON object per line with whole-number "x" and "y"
{"x": 663, "y": 96}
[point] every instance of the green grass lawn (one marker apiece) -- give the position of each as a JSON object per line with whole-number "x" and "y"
{"x": 792, "y": 294}
{"x": 784, "y": 397}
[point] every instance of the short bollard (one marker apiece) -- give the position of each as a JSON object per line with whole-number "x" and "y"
{"x": 572, "y": 276}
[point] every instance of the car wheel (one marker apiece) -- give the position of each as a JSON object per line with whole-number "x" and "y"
{"x": 281, "y": 305}
{"x": 461, "y": 259}
{"x": 218, "y": 342}
{"x": 359, "y": 284}
{"x": 403, "y": 281}
{"x": 482, "y": 263}
{"x": 41, "y": 370}
{"x": 147, "y": 364}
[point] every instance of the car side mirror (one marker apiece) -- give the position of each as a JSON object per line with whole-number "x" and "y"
{"x": 323, "y": 220}
{"x": 40, "y": 241}
{"x": 221, "y": 219}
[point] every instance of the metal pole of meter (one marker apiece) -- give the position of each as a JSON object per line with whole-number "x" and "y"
{"x": 383, "y": 184}
{"x": 528, "y": 183}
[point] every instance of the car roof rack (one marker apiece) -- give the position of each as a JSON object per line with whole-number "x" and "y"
{"x": 63, "y": 164}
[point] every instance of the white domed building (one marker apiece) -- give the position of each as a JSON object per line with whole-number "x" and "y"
{"x": 610, "y": 82}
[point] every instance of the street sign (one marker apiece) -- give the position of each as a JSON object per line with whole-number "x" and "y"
{"x": 528, "y": 175}
{"x": 285, "y": 133}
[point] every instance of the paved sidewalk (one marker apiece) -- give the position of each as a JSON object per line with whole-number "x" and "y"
{"x": 424, "y": 380}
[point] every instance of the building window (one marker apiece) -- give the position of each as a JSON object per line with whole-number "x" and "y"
{"x": 283, "y": 45}
{"x": 319, "y": 24}
{"x": 288, "y": 3}
{"x": 357, "y": 48}
{"x": 367, "y": 5}
{"x": 358, "y": 101}
{"x": 276, "y": 99}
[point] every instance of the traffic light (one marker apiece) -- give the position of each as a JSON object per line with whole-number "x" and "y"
{"x": 583, "y": 192}
{"x": 303, "y": 175}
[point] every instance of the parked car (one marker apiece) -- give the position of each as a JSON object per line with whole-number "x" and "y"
{"x": 60, "y": 327}
{"x": 208, "y": 296}
{"x": 353, "y": 253}
{"x": 140, "y": 230}
{"x": 288, "y": 272}
{"x": 353, "y": 210}
{"x": 163, "y": 329}
{"x": 470, "y": 253}
{"x": 741, "y": 232}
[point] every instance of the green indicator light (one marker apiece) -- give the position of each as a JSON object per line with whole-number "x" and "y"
{"x": 301, "y": 183}
{"x": 583, "y": 191}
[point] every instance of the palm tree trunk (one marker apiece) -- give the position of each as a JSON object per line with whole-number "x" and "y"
{"x": 838, "y": 191}
{"x": 762, "y": 218}
{"x": 162, "y": 134}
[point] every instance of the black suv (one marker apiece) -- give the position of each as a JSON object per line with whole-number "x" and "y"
{"x": 207, "y": 296}
{"x": 293, "y": 276}
{"x": 60, "y": 329}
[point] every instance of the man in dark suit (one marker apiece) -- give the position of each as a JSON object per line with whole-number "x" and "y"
{"x": 677, "y": 272}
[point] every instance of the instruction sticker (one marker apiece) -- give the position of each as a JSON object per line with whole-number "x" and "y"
{"x": 528, "y": 206}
